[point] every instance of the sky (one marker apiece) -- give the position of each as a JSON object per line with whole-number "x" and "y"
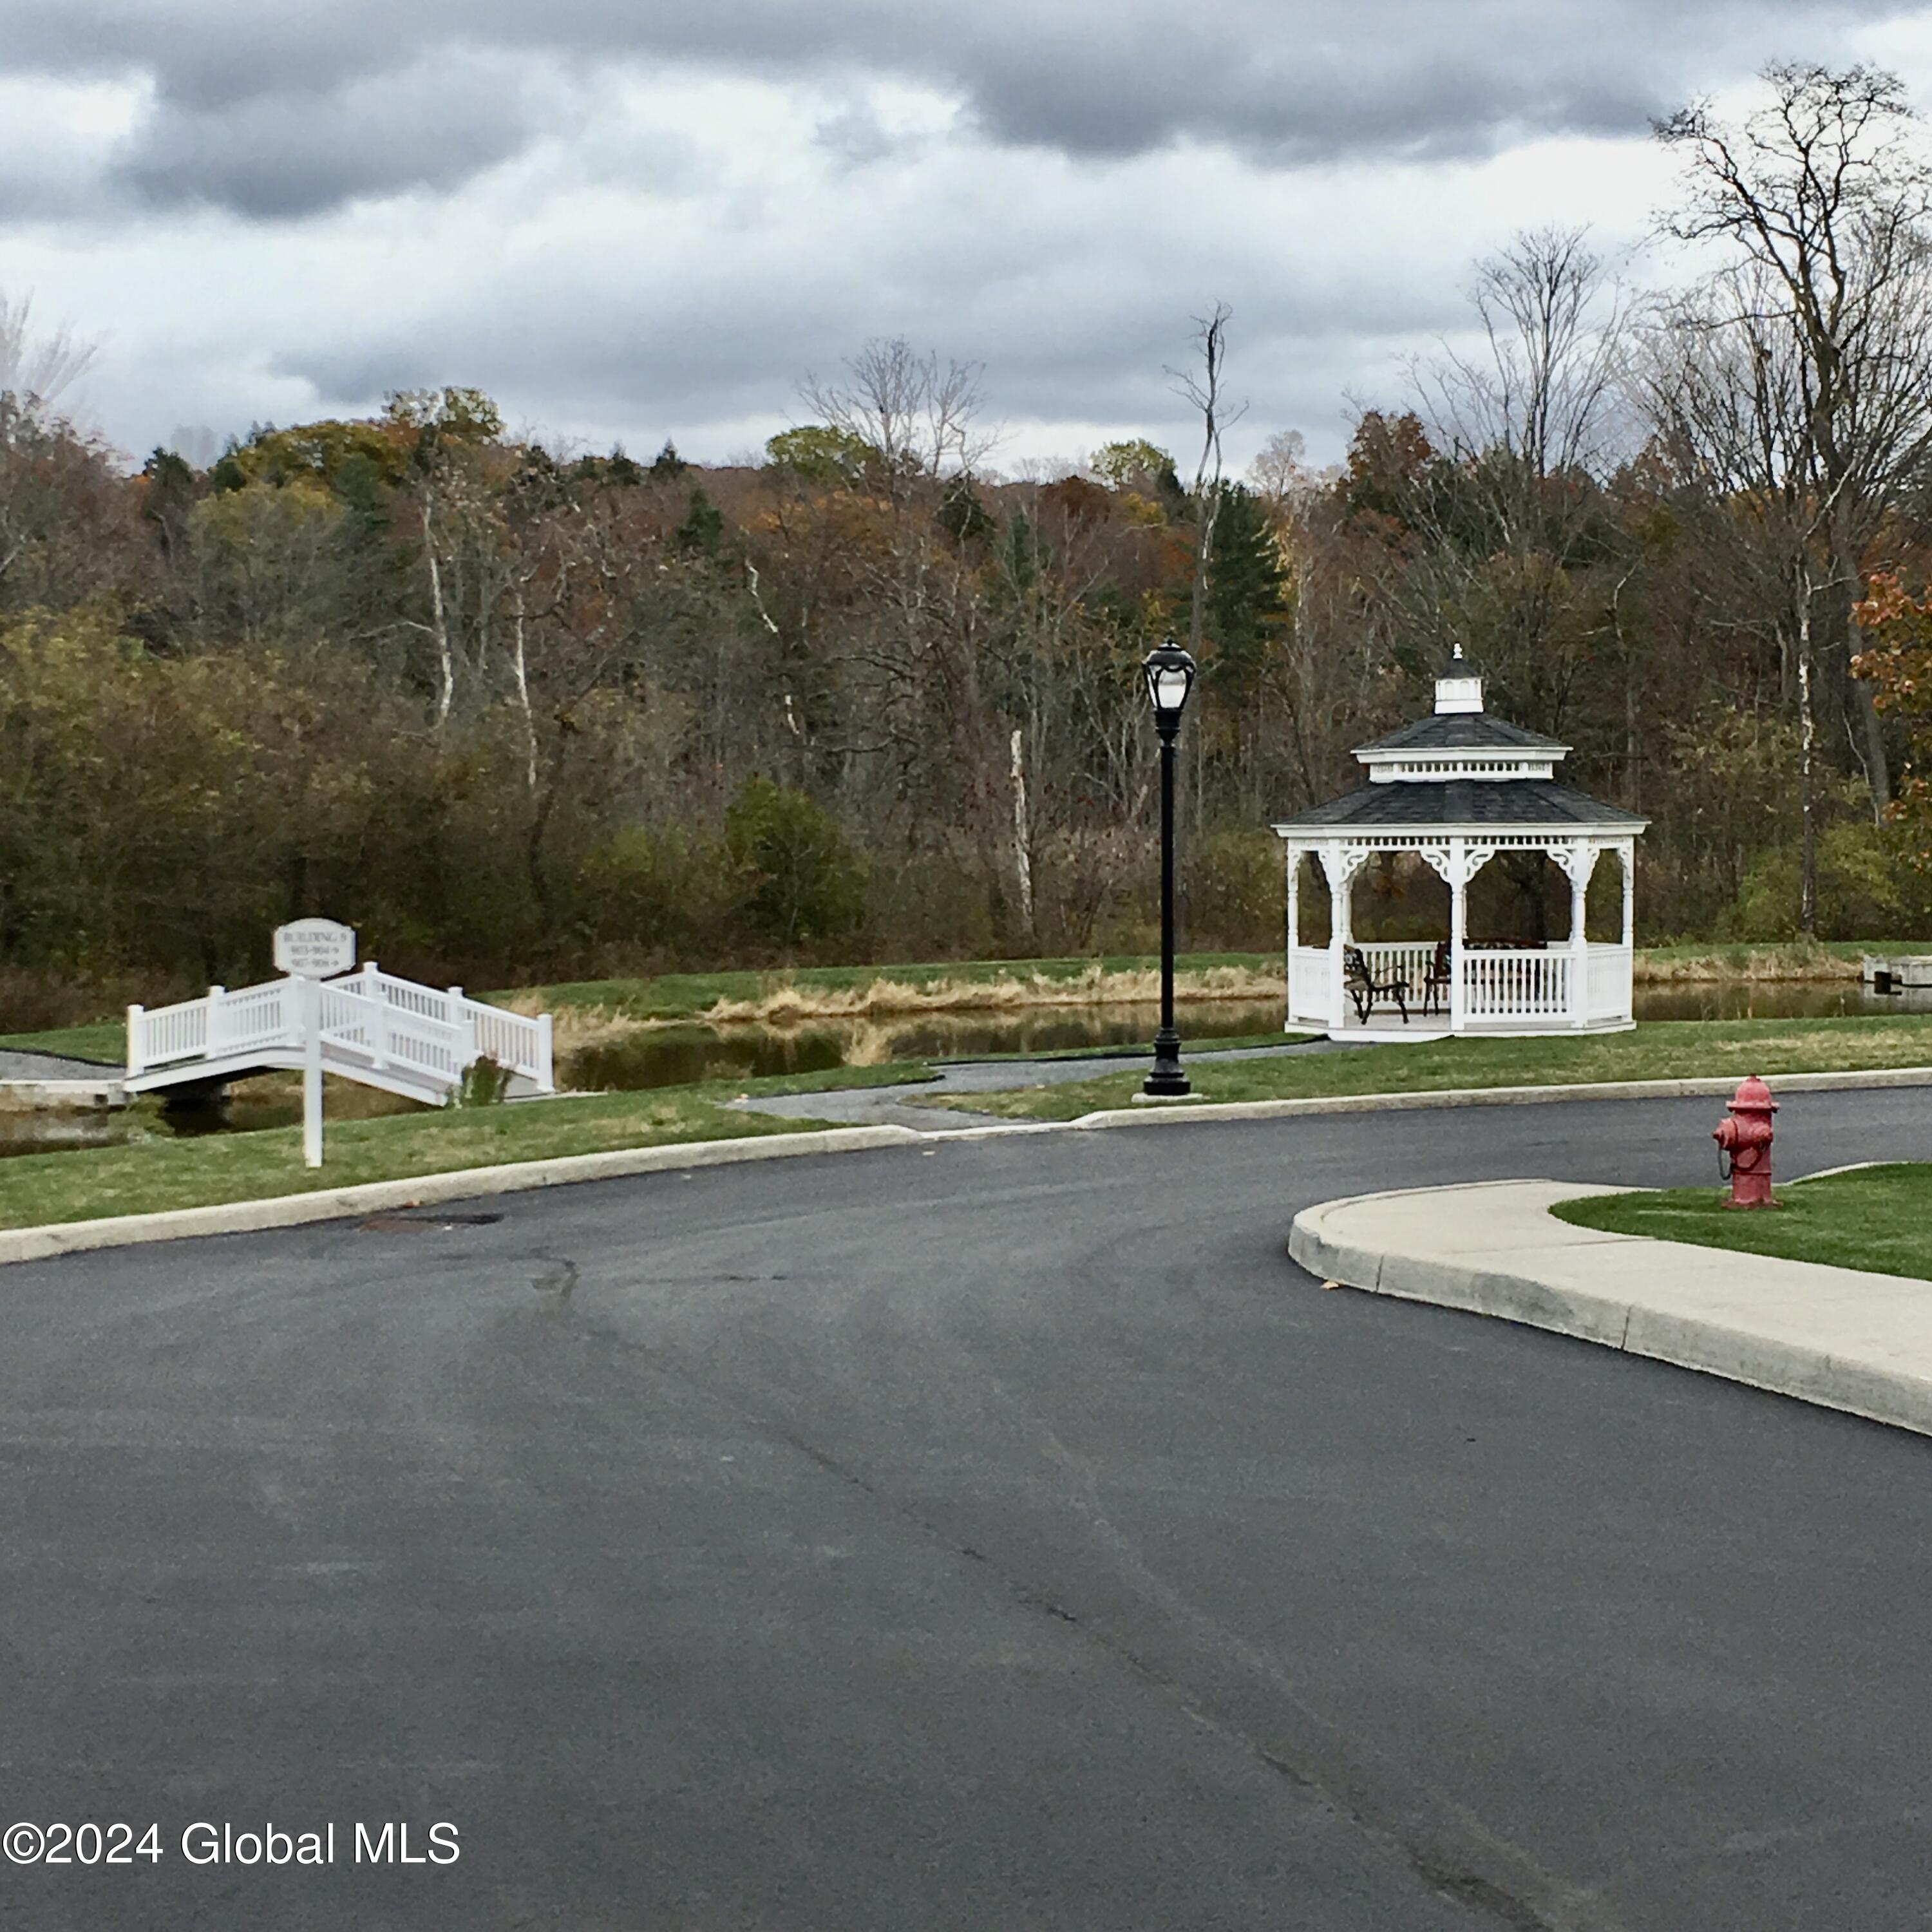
{"x": 630, "y": 221}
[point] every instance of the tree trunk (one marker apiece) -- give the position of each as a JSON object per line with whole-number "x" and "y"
{"x": 544, "y": 805}
{"x": 442, "y": 622}
{"x": 1808, "y": 740}
{"x": 1022, "y": 841}
{"x": 1878, "y": 767}
{"x": 1861, "y": 712}
{"x": 523, "y": 701}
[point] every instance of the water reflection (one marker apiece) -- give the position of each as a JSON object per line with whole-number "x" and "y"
{"x": 1769, "y": 999}
{"x": 671, "y": 1056}
{"x": 270, "y": 1100}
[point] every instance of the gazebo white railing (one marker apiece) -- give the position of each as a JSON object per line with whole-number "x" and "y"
{"x": 1569, "y": 984}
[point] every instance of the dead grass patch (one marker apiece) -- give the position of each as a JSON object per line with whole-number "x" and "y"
{"x": 794, "y": 1005}
{"x": 576, "y": 1028}
{"x": 1753, "y": 965}
{"x": 573, "y": 1028}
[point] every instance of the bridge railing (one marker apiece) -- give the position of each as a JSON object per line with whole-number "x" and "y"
{"x": 520, "y": 1044}
{"x": 361, "y": 1030}
{"x": 251, "y": 1016}
{"x": 370, "y": 1020}
{"x": 168, "y": 1032}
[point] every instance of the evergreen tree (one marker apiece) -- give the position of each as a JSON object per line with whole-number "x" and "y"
{"x": 1247, "y": 586}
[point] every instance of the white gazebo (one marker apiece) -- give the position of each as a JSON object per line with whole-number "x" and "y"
{"x": 1456, "y": 789}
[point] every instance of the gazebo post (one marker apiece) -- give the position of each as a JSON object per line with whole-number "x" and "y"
{"x": 1627, "y": 865}
{"x": 1294, "y": 945}
{"x": 1341, "y": 880}
{"x": 1582, "y": 863}
{"x": 1459, "y": 919}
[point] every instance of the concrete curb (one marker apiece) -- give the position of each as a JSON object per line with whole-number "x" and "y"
{"x": 1723, "y": 1086}
{"x": 1714, "y": 1329}
{"x": 289, "y": 1210}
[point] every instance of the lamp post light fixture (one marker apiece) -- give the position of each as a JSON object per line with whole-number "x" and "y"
{"x": 1169, "y": 672}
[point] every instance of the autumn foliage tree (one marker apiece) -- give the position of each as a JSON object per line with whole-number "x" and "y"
{"x": 518, "y": 710}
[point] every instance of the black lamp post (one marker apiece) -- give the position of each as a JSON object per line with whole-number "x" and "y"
{"x": 1169, "y": 672}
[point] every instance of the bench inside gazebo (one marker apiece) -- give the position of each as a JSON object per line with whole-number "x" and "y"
{"x": 1457, "y": 789}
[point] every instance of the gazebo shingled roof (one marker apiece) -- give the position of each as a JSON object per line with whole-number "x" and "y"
{"x": 1515, "y": 803}
{"x": 1461, "y": 730}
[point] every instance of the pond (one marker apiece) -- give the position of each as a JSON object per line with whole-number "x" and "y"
{"x": 274, "y": 1100}
{"x": 1767, "y": 1000}
{"x": 672, "y": 1056}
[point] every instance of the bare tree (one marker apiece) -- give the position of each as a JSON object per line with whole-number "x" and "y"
{"x": 1507, "y": 521}
{"x": 915, "y": 664}
{"x": 1726, "y": 384}
{"x": 1280, "y": 473}
{"x": 36, "y": 367}
{"x": 1205, "y": 389}
{"x": 1825, "y": 194}
{"x": 922, "y": 416}
{"x": 1541, "y": 399}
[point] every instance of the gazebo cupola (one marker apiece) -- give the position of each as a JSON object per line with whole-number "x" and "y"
{"x": 1455, "y": 789}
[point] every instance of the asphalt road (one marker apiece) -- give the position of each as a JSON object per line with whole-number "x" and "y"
{"x": 991, "y": 1536}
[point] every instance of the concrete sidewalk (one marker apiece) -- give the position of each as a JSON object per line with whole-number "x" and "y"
{"x": 1836, "y": 1337}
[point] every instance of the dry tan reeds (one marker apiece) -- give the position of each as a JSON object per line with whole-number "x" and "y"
{"x": 1745, "y": 965}
{"x": 573, "y": 1028}
{"x": 869, "y": 1043}
{"x": 792, "y": 1005}
{"x": 576, "y": 1028}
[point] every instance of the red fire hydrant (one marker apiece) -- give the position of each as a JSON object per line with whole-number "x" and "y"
{"x": 1744, "y": 1145}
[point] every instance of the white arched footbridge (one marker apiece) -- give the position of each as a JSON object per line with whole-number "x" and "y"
{"x": 414, "y": 1040}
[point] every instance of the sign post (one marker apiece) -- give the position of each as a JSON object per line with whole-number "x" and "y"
{"x": 311, "y": 951}
{"x": 309, "y": 991}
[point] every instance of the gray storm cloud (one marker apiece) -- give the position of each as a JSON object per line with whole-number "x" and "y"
{"x": 296, "y": 151}
{"x": 622, "y": 262}
{"x": 286, "y": 109}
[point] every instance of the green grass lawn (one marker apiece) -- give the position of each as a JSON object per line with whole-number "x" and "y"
{"x": 1660, "y": 1050}
{"x": 104, "y": 1040}
{"x": 161, "y": 1172}
{"x": 1754, "y": 960}
{"x": 1878, "y": 1218}
{"x": 1743, "y": 952}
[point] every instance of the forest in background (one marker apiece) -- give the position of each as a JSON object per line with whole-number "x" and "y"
{"x": 522, "y": 713}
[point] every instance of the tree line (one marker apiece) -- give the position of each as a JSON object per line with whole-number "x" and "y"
{"x": 521, "y": 711}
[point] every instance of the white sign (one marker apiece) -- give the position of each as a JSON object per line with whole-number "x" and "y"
{"x": 315, "y": 948}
